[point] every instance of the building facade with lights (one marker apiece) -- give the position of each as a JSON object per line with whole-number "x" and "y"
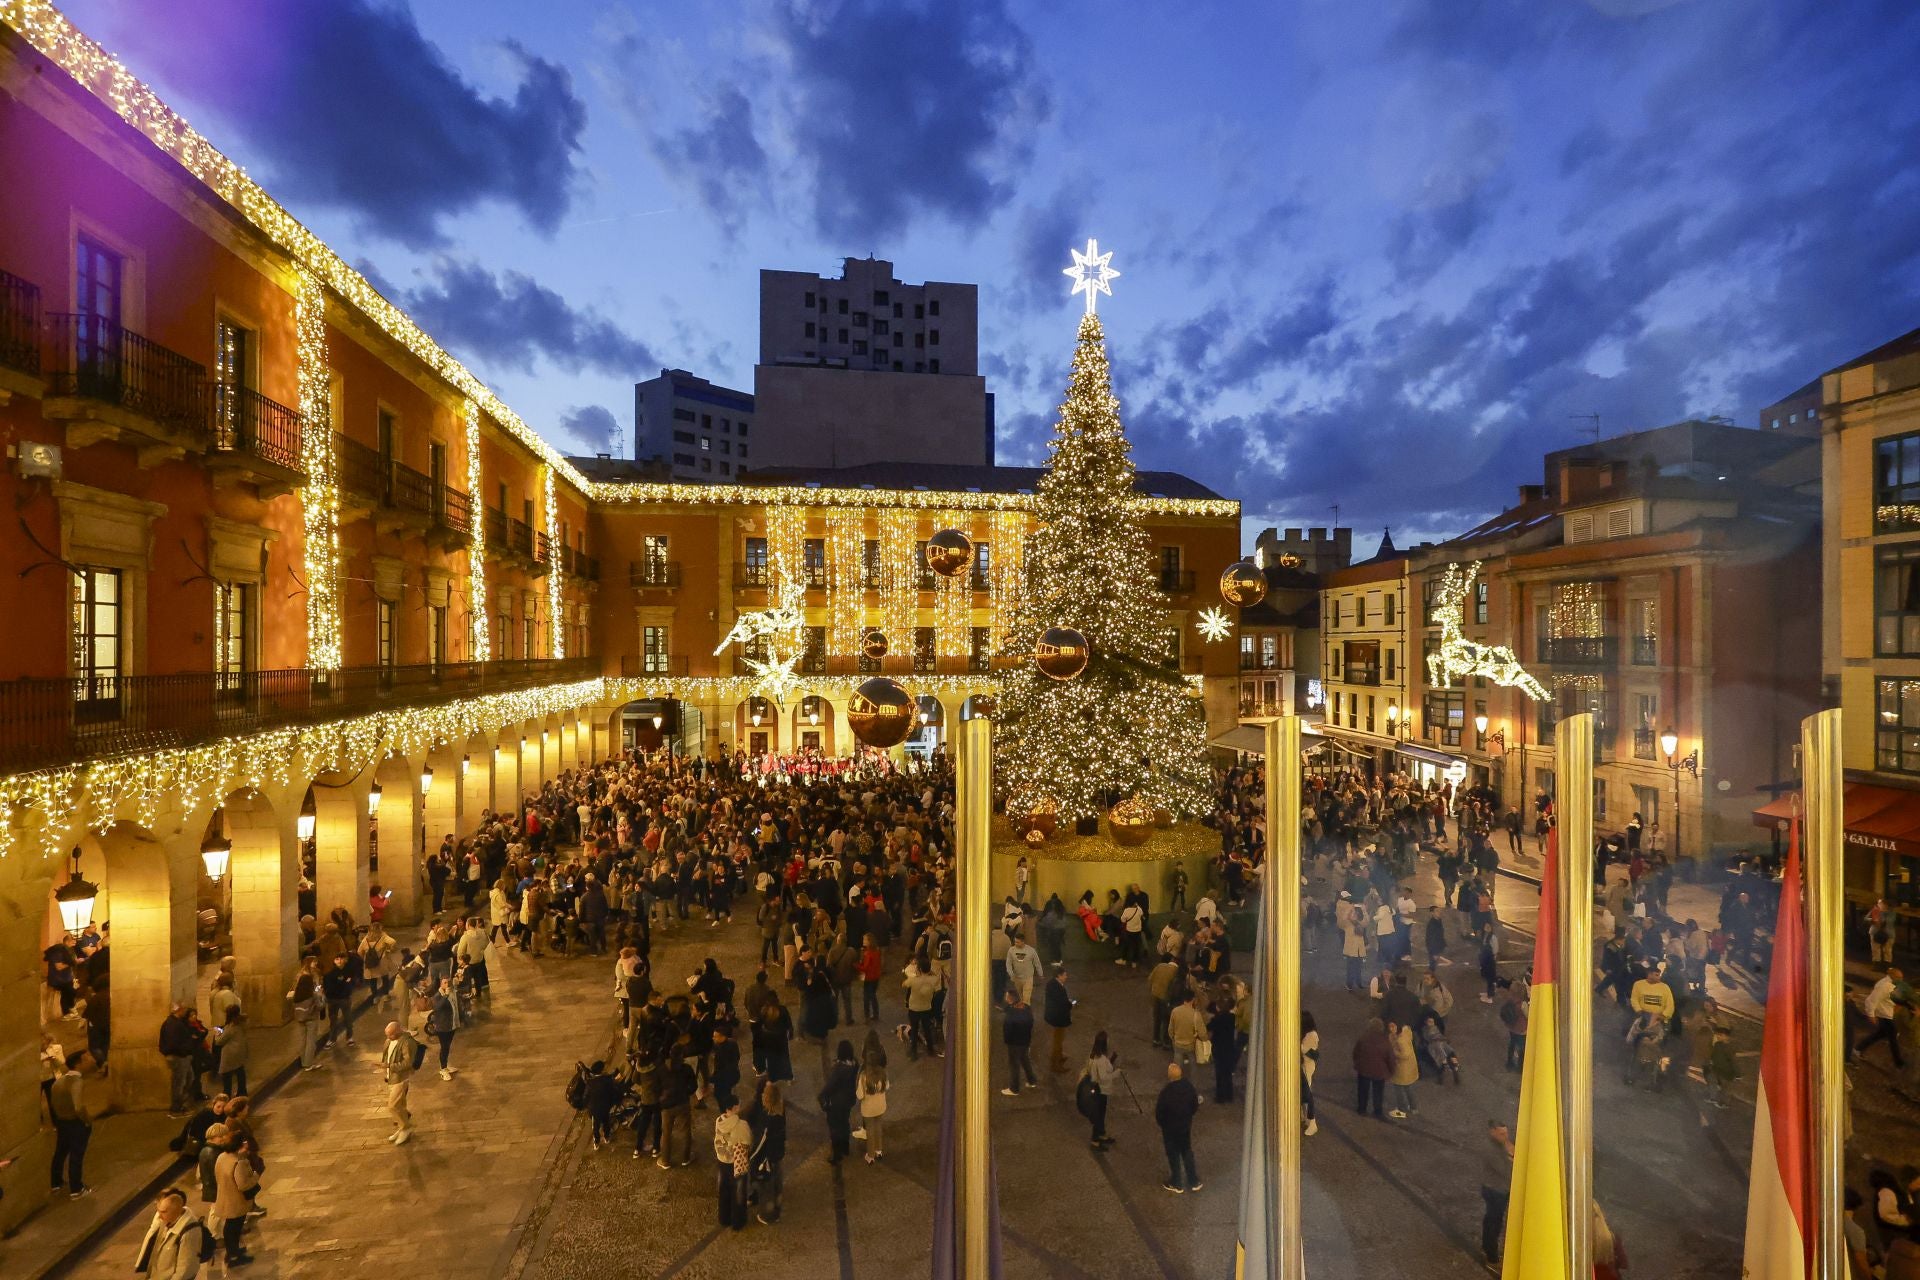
{"x": 292, "y": 594}
{"x": 1869, "y": 413}
{"x": 1665, "y": 581}
{"x": 1363, "y": 662}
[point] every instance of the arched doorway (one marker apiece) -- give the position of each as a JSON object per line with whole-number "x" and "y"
{"x": 756, "y": 727}
{"x": 813, "y": 726}
{"x": 930, "y": 726}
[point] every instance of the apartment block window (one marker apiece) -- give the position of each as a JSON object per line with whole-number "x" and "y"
{"x": 706, "y": 444}
{"x": 743, "y": 432}
{"x": 683, "y": 415}
{"x": 896, "y": 311}
{"x": 1334, "y": 707}
{"x": 95, "y": 634}
{"x": 232, "y": 607}
{"x": 683, "y": 459}
{"x": 879, "y": 297}
{"x": 920, "y": 340}
{"x": 879, "y": 328}
{"x": 683, "y": 437}
{"x": 437, "y": 634}
{"x": 1429, "y": 602}
{"x": 809, "y": 301}
{"x": 810, "y": 329}
{"x": 1896, "y": 483}
{"x": 1444, "y": 715}
{"x": 706, "y": 464}
{"x": 1363, "y": 662}
{"x": 979, "y": 648}
{"x": 933, "y": 337}
{"x": 933, "y": 366}
{"x": 923, "y": 649}
{"x": 1388, "y": 656}
{"x": 860, "y": 348}
{"x": 756, "y": 562}
{"x": 859, "y": 319}
{"x": 726, "y": 446}
{"x": 933, "y": 306}
{"x": 843, "y": 335}
{"x": 843, "y": 306}
{"x": 98, "y": 273}
{"x": 1479, "y": 603}
{"x": 726, "y": 468}
{"x": 1269, "y": 656}
{"x": 1387, "y": 607}
{"x": 1336, "y": 611}
{"x": 919, "y": 311}
{"x": 1169, "y": 568}
{"x": 1896, "y": 601}
{"x": 1369, "y": 713}
{"x": 1333, "y": 660}
{"x": 899, "y": 339}
{"x": 385, "y": 639}
{"x": 813, "y": 556}
{"x": 870, "y": 564}
{"x": 1359, "y": 611}
{"x": 653, "y": 650}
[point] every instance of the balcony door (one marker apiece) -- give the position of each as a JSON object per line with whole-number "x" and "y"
{"x": 98, "y": 291}
{"x": 95, "y": 632}
{"x": 232, "y": 353}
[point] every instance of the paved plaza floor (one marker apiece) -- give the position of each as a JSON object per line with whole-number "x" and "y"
{"x": 501, "y": 1180}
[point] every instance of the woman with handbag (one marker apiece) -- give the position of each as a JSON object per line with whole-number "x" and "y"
{"x": 1096, "y": 1083}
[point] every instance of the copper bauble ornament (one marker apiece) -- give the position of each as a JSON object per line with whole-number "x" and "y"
{"x": 1043, "y": 816}
{"x": 1243, "y": 584}
{"x": 949, "y": 552}
{"x": 1062, "y": 653}
{"x": 880, "y": 712}
{"x": 874, "y": 643}
{"x": 1130, "y": 822}
{"x": 1035, "y": 837}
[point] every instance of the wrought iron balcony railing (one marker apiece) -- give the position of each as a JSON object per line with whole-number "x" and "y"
{"x": 19, "y": 324}
{"x": 96, "y": 359}
{"x": 244, "y": 421}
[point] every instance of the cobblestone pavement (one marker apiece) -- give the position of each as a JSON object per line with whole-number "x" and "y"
{"x": 453, "y": 1201}
{"x": 501, "y": 1179}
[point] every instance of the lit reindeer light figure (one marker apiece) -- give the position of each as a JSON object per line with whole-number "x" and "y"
{"x": 1458, "y": 657}
{"x": 783, "y": 628}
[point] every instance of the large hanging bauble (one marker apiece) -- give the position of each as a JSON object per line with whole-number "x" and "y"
{"x": 949, "y": 552}
{"x": 1130, "y": 822}
{"x": 1061, "y": 653}
{"x": 874, "y": 643}
{"x": 880, "y": 712}
{"x": 1042, "y": 816}
{"x": 1243, "y": 584}
{"x": 1035, "y": 837}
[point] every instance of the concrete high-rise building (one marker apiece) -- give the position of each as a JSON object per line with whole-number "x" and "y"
{"x": 699, "y": 428}
{"x": 868, "y": 369}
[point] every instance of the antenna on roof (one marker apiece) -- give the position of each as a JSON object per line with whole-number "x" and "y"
{"x": 1594, "y": 418}
{"x": 1336, "y": 515}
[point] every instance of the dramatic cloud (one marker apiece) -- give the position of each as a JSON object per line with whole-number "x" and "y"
{"x": 592, "y": 429}
{"x": 512, "y": 320}
{"x": 350, "y": 106}
{"x": 880, "y": 111}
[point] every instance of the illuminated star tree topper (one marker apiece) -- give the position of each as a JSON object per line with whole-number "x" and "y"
{"x": 1091, "y": 272}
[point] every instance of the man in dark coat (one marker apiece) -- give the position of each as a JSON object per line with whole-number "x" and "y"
{"x": 1058, "y": 1012}
{"x": 1173, "y": 1112}
{"x": 1016, "y": 1032}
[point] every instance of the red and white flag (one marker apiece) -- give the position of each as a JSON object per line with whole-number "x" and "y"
{"x": 1781, "y": 1207}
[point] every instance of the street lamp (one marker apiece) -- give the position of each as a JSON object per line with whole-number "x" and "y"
{"x": 373, "y": 828}
{"x": 303, "y": 825}
{"x": 215, "y": 847}
{"x": 1669, "y": 746}
{"x": 76, "y": 898}
{"x": 426, "y": 785}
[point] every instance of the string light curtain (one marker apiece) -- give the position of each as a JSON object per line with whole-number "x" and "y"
{"x": 899, "y": 577}
{"x": 320, "y": 498}
{"x": 953, "y": 602}
{"x": 477, "y": 626}
{"x": 556, "y": 619}
{"x": 1009, "y": 542}
{"x": 846, "y": 592}
{"x": 1575, "y": 611}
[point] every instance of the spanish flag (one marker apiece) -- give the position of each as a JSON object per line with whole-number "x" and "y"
{"x": 1781, "y": 1205}
{"x": 1537, "y": 1212}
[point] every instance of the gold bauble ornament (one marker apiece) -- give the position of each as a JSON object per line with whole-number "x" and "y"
{"x": 949, "y": 552}
{"x": 874, "y": 643}
{"x": 1130, "y": 822}
{"x": 880, "y": 712}
{"x": 1035, "y": 837}
{"x": 1043, "y": 817}
{"x": 1061, "y": 653}
{"x": 1243, "y": 584}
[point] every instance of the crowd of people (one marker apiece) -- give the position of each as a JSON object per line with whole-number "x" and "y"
{"x": 844, "y": 876}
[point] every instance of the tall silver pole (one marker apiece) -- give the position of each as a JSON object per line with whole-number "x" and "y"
{"x": 972, "y": 960}
{"x": 1573, "y": 806}
{"x": 1824, "y": 789}
{"x": 1280, "y": 977}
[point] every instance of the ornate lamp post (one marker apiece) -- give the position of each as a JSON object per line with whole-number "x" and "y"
{"x": 76, "y": 898}
{"x": 1669, "y": 746}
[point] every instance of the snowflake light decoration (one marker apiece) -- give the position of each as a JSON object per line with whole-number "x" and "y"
{"x": 783, "y": 628}
{"x": 1091, "y": 272}
{"x": 1457, "y": 656}
{"x": 1214, "y": 624}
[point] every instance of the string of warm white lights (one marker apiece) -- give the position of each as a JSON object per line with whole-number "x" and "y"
{"x": 1009, "y": 544}
{"x": 899, "y": 577}
{"x": 630, "y": 493}
{"x": 556, "y": 619}
{"x": 846, "y": 584}
{"x": 320, "y": 499}
{"x": 477, "y": 625}
{"x": 952, "y": 602}
{"x": 50, "y": 806}
{"x": 1575, "y": 611}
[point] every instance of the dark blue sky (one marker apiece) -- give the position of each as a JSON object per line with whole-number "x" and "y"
{"x": 1379, "y": 254}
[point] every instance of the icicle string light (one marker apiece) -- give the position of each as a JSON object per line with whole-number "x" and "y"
{"x": 556, "y": 616}
{"x": 477, "y": 610}
{"x": 846, "y": 588}
{"x": 320, "y": 497}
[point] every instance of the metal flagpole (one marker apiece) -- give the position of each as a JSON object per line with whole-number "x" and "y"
{"x": 1573, "y": 807}
{"x": 1824, "y": 793}
{"x": 972, "y": 958}
{"x": 1280, "y": 974}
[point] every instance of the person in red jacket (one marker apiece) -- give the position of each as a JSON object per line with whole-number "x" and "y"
{"x": 870, "y": 965}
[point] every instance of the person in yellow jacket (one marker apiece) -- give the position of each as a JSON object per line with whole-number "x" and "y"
{"x": 1405, "y": 1074}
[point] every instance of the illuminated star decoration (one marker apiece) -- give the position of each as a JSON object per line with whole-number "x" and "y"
{"x": 1214, "y": 625}
{"x": 1458, "y": 656}
{"x": 1091, "y": 273}
{"x": 783, "y": 627}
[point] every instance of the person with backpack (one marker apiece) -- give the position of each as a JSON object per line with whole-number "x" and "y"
{"x": 599, "y": 1092}
{"x": 176, "y": 1243}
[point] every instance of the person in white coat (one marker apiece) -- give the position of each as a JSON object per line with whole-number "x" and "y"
{"x": 171, "y": 1248}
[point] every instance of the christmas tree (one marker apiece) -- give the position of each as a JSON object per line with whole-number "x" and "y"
{"x": 1129, "y": 725}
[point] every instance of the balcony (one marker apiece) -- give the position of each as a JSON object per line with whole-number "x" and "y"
{"x": 1645, "y": 745}
{"x": 654, "y": 575}
{"x": 1646, "y": 651}
{"x": 1579, "y": 651}
{"x": 50, "y": 722}
{"x": 360, "y": 474}
{"x": 257, "y": 439}
{"x": 19, "y": 338}
{"x": 542, "y": 553}
{"x": 110, "y": 383}
{"x": 637, "y": 666}
{"x": 452, "y": 519}
{"x": 584, "y": 567}
{"x": 1176, "y": 582}
{"x": 496, "y": 532}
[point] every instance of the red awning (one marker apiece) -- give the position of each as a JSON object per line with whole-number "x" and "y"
{"x": 1876, "y": 817}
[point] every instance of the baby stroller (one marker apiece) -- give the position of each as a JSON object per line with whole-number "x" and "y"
{"x": 1644, "y": 1038}
{"x": 1439, "y": 1052}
